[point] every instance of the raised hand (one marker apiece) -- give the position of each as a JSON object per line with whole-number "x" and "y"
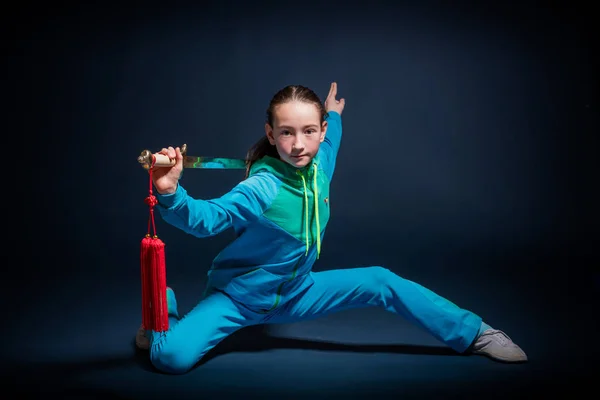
{"x": 331, "y": 103}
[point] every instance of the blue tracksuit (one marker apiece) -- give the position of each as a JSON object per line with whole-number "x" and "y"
{"x": 280, "y": 214}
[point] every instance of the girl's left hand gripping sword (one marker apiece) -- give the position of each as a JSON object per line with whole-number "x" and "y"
{"x": 156, "y": 160}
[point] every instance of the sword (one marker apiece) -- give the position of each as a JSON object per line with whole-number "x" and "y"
{"x": 147, "y": 160}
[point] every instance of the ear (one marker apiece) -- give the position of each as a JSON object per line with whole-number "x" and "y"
{"x": 323, "y": 131}
{"x": 269, "y": 133}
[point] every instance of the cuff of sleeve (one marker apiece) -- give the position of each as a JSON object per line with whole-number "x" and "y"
{"x": 173, "y": 199}
{"x": 333, "y": 115}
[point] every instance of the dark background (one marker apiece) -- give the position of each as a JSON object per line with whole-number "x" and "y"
{"x": 468, "y": 164}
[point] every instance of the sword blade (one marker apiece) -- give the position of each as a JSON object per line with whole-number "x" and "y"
{"x": 213, "y": 162}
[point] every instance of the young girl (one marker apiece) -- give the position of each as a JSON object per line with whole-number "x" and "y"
{"x": 280, "y": 212}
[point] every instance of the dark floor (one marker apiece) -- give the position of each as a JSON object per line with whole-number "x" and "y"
{"x": 74, "y": 339}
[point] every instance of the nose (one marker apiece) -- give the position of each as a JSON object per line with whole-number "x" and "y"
{"x": 298, "y": 145}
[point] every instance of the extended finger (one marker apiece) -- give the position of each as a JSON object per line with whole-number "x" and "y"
{"x": 332, "y": 90}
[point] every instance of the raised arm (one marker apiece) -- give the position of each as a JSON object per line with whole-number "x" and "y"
{"x": 333, "y": 136}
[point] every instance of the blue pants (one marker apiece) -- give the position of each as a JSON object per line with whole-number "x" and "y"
{"x": 217, "y": 315}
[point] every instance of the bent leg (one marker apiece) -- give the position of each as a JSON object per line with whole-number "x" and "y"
{"x": 215, "y": 317}
{"x": 338, "y": 290}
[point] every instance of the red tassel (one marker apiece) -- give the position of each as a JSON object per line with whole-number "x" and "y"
{"x": 154, "y": 285}
{"x": 154, "y": 279}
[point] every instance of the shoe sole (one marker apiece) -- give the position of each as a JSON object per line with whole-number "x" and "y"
{"x": 504, "y": 360}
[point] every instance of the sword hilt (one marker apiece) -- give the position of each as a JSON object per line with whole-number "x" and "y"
{"x": 147, "y": 159}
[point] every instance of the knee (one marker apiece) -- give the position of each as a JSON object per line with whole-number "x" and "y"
{"x": 169, "y": 360}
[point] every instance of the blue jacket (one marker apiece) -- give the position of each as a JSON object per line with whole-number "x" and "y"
{"x": 279, "y": 213}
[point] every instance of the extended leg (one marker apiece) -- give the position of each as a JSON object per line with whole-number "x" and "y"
{"x": 378, "y": 287}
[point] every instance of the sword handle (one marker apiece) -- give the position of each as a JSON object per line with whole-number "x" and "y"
{"x": 147, "y": 159}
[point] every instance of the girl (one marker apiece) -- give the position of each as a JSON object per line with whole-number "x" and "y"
{"x": 280, "y": 212}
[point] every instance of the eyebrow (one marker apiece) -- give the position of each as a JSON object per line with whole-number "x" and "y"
{"x": 306, "y": 126}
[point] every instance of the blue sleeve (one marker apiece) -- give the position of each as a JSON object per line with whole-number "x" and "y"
{"x": 247, "y": 201}
{"x": 330, "y": 146}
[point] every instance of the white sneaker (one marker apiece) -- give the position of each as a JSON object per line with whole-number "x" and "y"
{"x": 498, "y": 346}
{"x": 141, "y": 339}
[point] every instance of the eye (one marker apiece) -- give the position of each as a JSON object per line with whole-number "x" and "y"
{"x": 285, "y": 133}
{"x": 310, "y": 131}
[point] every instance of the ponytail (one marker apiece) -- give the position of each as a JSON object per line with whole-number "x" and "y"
{"x": 260, "y": 149}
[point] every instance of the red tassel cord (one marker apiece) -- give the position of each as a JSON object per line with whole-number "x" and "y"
{"x": 154, "y": 279}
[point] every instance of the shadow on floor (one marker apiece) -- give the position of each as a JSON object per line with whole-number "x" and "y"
{"x": 256, "y": 338}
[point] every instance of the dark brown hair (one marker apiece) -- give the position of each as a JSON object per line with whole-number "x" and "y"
{"x": 289, "y": 93}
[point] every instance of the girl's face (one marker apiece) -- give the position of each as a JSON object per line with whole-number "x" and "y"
{"x": 297, "y": 132}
